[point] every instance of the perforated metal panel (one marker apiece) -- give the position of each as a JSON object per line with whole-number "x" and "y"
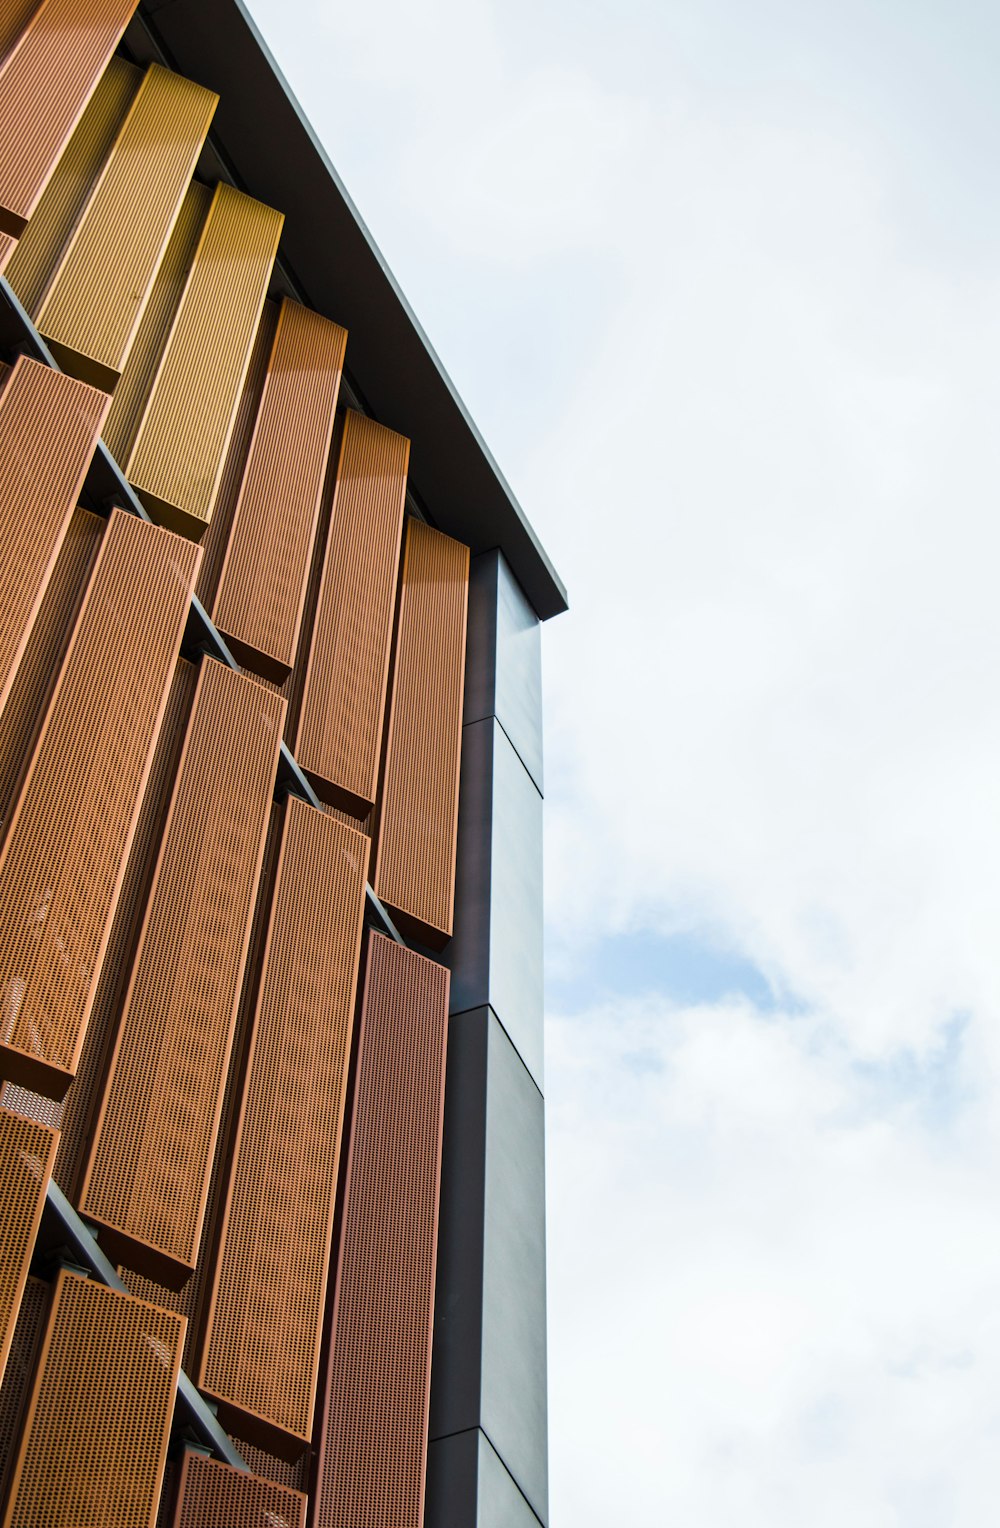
{"x": 17, "y": 1379}
{"x": 146, "y": 1182}
{"x": 98, "y": 1423}
{"x": 14, "y": 17}
{"x": 45, "y": 83}
{"x": 211, "y": 1494}
{"x": 48, "y": 429}
{"x": 259, "y": 604}
{"x": 179, "y": 452}
{"x": 418, "y": 816}
{"x": 62, "y": 862}
{"x": 261, "y": 1350}
{"x": 373, "y": 1436}
{"x": 27, "y": 1152}
{"x": 93, "y": 307}
{"x": 343, "y": 702}
{"x": 29, "y": 269}
{"x": 133, "y": 387}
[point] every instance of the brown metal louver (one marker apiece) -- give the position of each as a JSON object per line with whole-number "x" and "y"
{"x": 62, "y": 861}
{"x": 94, "y": 1441}
{"x": 45, "y": 83}
{"x": 94, "y": 305}
{"x": 210, "y": 1493}
{"x": 27, "y": 1152}
{"x": 146, "y": 1183}
{"x": 418, "y": 813}
{"x": 49, "y": 426}
{"x": 180, "y": 450}
{"x": 261, "y": 1351}
{"x": 14, "y": 17}
{"x": 372, "y": 1444}
{"x": 343, "y": 702}
{"x": 260, "y": 599}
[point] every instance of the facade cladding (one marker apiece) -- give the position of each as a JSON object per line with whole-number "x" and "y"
{"x": 272, "y": 1202}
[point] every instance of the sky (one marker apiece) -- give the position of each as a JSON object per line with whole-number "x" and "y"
{"x": 720, "y": 283}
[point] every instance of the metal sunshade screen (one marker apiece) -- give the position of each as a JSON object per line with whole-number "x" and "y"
{"x": 146, "y": 1183}
{"x": 30, "y": 267}
{"x": 180, "y": 450}
{"x": 373, "y": 1437}
{"x": 62, "y": 862}
{"x": 27, "y": 1152}
{"x": 95, "y": 1436}
{"x": 418, "y": 817}
{"x": 261, "y": 1350}
{"x": 260, "y": 599}
{"x": 93, "y": 307}
{"x": 17, "y": 1381}
{"x": 133, "y": 387}
{"x": 25, "y": 706}
{"x": 343, "y": 703}
{"x": 45, "y": 83}
{"x": 14, "y": 17}
{"x": 49, "y": 426}
{"x": 210, "y": 1493}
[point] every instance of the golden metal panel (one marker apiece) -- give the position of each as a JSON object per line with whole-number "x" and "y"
{"x": 14, "y": 17}
{"x": 27, "y": 1152}
{"x": 132, "y": 391}
{"x": 260, "y": 1358}
{"x": 260, "y": 600}
{"x": 418, "y": 813}
{"x": 343, "y": 703}
{"x": 372, "y": 1443}
{"x": 45, "y": 83}
{"x": 95, "y": 1437}
{"x": 179, "y": 453}
{"x": 21, "y": 1363}
{"x": 146, "y": 1183}
{"x": 210, "y": 1493}
{"x": 49, "y": 424}
{"x": 62, "y": 861}
{"x": 29, "y": 269}
{"x": 94, "y": 305}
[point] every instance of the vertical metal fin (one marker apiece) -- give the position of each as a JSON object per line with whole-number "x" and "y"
{"x": 27, "y": 1152}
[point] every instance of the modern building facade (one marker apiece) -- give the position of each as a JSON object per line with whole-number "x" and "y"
{"x": 271, "y": 1097}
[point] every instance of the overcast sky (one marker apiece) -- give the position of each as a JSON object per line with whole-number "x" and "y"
{"x": 720, "y": 282}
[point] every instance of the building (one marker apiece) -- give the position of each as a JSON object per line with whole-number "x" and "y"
{"x": 271, "y": 1144}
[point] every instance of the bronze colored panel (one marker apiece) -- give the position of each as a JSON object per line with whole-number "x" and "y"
{"x": 49, "y": 426}
{"x": 210, "y": 1493}
{"x": 45, "y": 83}
{"x": 260, "y": 600}
{"x": 180, "y": 450}
{"x": 373, "y": 1439}
{"x": 94, "y": 305}
{"x": 133, "y": 387}
{"x": 261, "y": 1351}
{"x": 27, "y": 1152}
{"x": 29, "y": 269}
{"x": 21, "y": 1362}
{"x": 418, "y": 813}
{"x": 95, "y": 1438}
{"x": 14, "y": 17}
{"x": 62, "y": 862}
{"x": 146, "y": 1183}
{"x": 343, "y": 703}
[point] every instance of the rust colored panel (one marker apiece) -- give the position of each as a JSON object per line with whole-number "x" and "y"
{"x": 180, "y": 450}
{"x": 98, "y": 1423}
{"x": 64, "y": 855}
{"x": 373, "y": 1437}
{"x": 94, "y": 305}
{"x": 49, "y": 426}
{"x": 21, "y": 1363}
{"x": 260, "y": 599}
{"x": 261, "y": 1351}
{"x": 343, "y": 702}
{"x": 14, "y": 17}
{"x": 27, "y": 1152}
{"x": 45, "y": 83}
{"x": 418, "y": 812}
{"x": 133, "y": 387}
{"x": 25, "y": 706}
{"x": 29, "y": 269}
{"x": 146, "y": 1183}
{"x": 210, "y": 1493}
